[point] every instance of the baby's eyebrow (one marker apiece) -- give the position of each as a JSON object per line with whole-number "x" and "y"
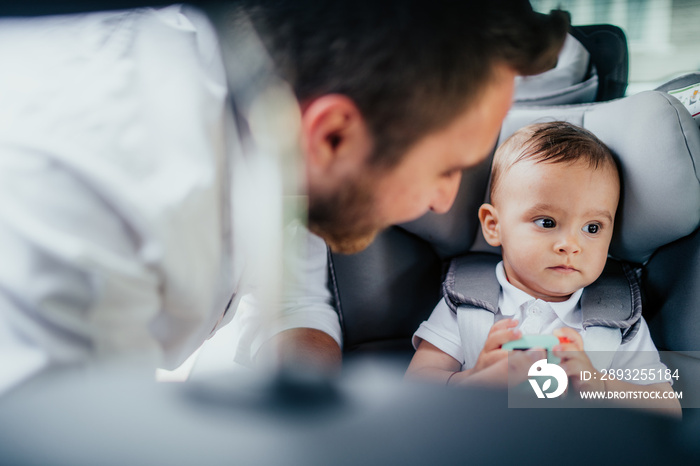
{"x": 542, "y": 208}
{"x": 601, "y": 213}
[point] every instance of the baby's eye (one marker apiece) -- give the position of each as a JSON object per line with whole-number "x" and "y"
{"x": 545, "y": 223}
{"x": 591, "y": 228}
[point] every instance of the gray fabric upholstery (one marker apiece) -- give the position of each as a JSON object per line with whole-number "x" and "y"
{"x": 619, "y": 292}
{"x": 471, "y": 280}
{"x": 384, "y": 292}
{"x": 593, "y": 67}
{"x": 607, "y": 45}
{"x": 671, "y": 284}
{"x": 573, "y": 80}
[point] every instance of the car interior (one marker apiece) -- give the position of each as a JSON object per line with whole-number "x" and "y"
{"x": 382, "y": 295}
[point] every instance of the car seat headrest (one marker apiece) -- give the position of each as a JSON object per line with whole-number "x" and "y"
{"x": 572, "y": 81}
{"x": 657, "y": 145}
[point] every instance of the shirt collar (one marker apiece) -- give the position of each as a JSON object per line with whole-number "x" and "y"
{"x": 513, "y": 298}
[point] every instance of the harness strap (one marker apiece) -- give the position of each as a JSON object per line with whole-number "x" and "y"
{"x": 611, "y": 306}
{"x": 474, "y": 326}
{"x": 614, "y": 300}
{"x": 471, "y": 279}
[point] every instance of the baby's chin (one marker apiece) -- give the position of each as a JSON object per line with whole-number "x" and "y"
{"x": 554, "y": 288}
{"x": 553, "y": 298}
{"x": 553, "y": 295}
{"x": 559, "y": 292}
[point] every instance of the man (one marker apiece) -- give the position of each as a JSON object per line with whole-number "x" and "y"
{"x": 397, "y": 99}
{"x": 127, "y": 208}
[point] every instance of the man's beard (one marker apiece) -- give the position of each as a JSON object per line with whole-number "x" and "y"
{"x": 345, "y": 218}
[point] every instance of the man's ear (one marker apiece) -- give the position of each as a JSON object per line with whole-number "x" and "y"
{"x": 488, "y": 216}
{"x": 334, "y": 134}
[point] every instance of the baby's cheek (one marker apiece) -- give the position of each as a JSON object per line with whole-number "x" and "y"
{"x": 596, "y": 269}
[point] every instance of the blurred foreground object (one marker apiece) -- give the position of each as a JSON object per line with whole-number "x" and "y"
{"x": 136, "y": 198}
{"x": 368, "y": 417}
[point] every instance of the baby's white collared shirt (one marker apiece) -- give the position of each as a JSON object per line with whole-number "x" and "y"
{"x": 536, "y": 316}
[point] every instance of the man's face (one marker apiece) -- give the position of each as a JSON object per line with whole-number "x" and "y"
{"x": 554, "y": 222}
{"x": 427, "y": 178}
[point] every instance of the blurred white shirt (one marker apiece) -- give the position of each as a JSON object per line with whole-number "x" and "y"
{"x": 117, "y": 160}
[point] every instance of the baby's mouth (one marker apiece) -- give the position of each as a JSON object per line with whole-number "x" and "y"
{"x": 564, "y": 269}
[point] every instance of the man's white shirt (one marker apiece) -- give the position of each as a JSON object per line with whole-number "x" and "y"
{"x": 118, "y": 227}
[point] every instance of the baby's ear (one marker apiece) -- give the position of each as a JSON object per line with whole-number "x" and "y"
{"x": 488, "y": 216}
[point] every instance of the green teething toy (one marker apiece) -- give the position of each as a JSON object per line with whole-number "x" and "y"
{"x": 546, "y": 342}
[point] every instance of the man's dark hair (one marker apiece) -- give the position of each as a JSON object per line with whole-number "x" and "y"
{"x": 411, "y": 66}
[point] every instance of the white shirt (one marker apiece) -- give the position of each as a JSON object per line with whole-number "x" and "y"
{"x": 535, "y": 317}
{"x": 116, "y": 235}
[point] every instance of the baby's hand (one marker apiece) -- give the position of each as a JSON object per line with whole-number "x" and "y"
{"x": 574, "y": 360}
{"x": 506, "y": 372}
{"x": 501, "y": 332}
{"x": 494, "y": 366}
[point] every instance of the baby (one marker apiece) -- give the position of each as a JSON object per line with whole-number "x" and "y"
{"x": 554, "y": 193}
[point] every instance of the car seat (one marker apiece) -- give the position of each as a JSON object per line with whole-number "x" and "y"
{"x": 384, "y": 292}
{"x": 607, "y": 45}
{"x": 593, "y": 66}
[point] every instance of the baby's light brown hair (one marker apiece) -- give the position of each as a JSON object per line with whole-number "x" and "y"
{"x": 553, "y": 142}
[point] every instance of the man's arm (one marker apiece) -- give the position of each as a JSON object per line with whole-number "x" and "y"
{"x": 307, "y": 329}
{"x": 308, "y": 348}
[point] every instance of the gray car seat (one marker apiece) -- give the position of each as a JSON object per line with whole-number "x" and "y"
{"x": 593, "y": 66}
{"x": 385, "y": 292}
{"x": 573, "y": 80}
{"x": 607, "y": 45}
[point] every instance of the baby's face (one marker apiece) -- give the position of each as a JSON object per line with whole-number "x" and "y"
{"x": 555, "y": 223}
